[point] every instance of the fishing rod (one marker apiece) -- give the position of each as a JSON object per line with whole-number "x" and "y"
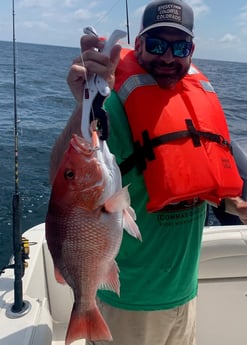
{"x": 20, "y": 306}
{"x": 127, "y": 21}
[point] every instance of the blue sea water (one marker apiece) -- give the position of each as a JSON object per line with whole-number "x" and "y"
{"x": 44, "y": 104}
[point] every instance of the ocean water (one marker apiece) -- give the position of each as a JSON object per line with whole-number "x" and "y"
{"x": 44, "y": 104}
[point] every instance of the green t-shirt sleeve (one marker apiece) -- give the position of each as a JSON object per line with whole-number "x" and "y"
{"x": 120, "y": 140}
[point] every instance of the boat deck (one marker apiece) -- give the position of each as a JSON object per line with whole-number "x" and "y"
{"x": 222, "y": 297}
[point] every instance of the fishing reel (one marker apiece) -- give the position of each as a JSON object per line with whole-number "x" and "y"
{"x": 25, "y": 251}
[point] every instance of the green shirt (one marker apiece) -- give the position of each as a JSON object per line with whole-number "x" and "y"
{"x": 161, "y": 271}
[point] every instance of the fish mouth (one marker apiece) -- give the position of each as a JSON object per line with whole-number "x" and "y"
{"x": 81, "y": 145}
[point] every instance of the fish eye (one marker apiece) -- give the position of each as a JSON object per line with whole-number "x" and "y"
{"x": 69, "y": 174}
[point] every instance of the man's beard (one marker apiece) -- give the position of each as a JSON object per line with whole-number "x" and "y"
{"x": 166, "y": 75}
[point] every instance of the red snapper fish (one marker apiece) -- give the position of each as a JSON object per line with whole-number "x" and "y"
{"x": 87, "y": 213}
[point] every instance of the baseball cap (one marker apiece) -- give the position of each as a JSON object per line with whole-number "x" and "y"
{"x": 168, "y": 13}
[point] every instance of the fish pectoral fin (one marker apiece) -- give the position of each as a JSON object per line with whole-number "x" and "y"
{"x": 112, "y": 282}
{"x": 119, "y": 201}
{"x": 59, "y": 278}
{"x": 129, "y": 223}
{"x": 87, "y": 325}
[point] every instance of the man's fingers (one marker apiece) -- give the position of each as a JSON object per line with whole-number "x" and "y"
{"x": 115, "y": 55}
{"x": 89, "y": 42}
{"x": 76, "y": 72}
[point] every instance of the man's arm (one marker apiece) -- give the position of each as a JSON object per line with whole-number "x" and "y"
{"x": 238, "y": 207}
{"x": 93, "y": 62}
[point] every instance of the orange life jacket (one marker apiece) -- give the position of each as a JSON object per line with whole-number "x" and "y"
{"x": 181, "y": 138}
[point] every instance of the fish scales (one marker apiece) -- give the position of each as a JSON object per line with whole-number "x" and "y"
{"x": 87, "y": 211}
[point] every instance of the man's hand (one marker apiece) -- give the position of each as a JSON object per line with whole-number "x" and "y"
{"x": 238, "y": 207}
{"x": 92, "y": 61}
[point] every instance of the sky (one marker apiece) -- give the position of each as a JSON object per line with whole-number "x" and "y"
{"x": 220, "y": 25}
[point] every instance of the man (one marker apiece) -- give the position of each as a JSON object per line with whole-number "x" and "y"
{"x": 158, "y": 277}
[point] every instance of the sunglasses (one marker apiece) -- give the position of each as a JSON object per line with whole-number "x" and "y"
{"x": 157, "y": 46}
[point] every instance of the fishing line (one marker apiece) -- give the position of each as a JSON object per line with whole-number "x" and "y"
{"x": 86, "y": 90}
{"x": 89, "y": 30}
{"x": 127, "y": 17}
{"x": 107, "y": 12}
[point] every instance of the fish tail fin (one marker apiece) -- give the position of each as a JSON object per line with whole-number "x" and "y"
{"x": 89, "y": 325}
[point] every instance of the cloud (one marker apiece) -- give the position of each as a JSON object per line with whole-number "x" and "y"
{"x": 242, "y": 20}
{"x": 38, "y": 3}
{"x": 199, "y": 7}
{"x": 85, "y": 14}
{"x": 93, "y": 4}
{"x": 36, "y": 24}
{"x": 57, "y": 4}
{"x": 70, "y": 3}
{"x": 243, "y": 15}
{"x": 139, "y": 11}
{"x": 229, "y": 40}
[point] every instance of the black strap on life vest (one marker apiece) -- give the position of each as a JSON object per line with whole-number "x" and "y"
{"x": 145, "y": 152}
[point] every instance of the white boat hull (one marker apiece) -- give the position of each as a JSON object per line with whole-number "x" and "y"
{"x": 222, "y": 296}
